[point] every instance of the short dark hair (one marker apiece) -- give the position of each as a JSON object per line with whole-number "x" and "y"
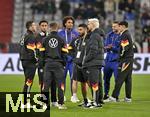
{"x": 53, "y": 25}
{"x": 116, "y": 22}
{"x": 66, "y": 18}
{"x": 43, "y": 21}
{"x": 125, "y": 23}
{"x": 83, "y": 25}
{"x": 28, "y": 24}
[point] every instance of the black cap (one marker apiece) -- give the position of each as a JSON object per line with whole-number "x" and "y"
{"x": 125, "y": 23}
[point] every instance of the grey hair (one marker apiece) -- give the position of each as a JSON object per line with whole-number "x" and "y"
{"x": 95, "y": 21}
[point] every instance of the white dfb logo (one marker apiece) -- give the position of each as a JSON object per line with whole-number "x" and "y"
{"x": 53, "y": 43}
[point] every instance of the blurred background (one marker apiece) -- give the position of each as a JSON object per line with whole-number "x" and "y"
{"x": 15, "y": 13}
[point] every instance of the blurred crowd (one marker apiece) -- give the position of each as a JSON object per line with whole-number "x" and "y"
{"x": 136, "y": 12}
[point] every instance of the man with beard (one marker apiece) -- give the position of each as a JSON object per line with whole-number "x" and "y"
{"x": 125, "y": 64}
{"x": 111, "y": 46}
{"x": 43, "y": 26}
{"x": 77, "y": 48}
{"x": 28, "y": 57}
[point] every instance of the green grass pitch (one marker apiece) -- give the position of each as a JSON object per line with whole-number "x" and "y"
{"x": 140, "y": 106}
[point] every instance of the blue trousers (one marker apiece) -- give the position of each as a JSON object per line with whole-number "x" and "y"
{"x": 69, "y": 67}
{"x": 109, "y": 69}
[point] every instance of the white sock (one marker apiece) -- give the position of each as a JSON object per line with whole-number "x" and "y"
{"x": 74, "y": 95}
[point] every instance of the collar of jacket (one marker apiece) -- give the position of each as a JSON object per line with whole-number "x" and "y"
{"x": 96, "y": 30}
{"x": 29, "y": 31}
{"x": 43, "y": 33}
{"x": 53, "y": 32}
{"x": 123, "y": 31}
{"x": 65, "y": 29}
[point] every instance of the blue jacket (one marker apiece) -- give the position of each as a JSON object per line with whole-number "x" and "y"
{"x": 112, "y": 53}
{"x": 68, "y": 36}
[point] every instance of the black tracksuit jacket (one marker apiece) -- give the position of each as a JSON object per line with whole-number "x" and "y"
{"x": 53, "y": 50}
{"x": 126, "y": 46}
{"x": 94, "y": 50}
{"x": 28, "y": 46}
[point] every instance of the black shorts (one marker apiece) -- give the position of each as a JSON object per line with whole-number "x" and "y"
{"x": 93, "y": 74}
{"x": 79, "y": 74}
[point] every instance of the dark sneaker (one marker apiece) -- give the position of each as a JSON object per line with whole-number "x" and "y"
{"x": 48, "y": 107}
{"x": 96, "y": 106}
{"x": 106, "y": 97}
{"x": 102, "y": 102}
{"x": 87, "y": 105}
{"x": 85, "y": 102}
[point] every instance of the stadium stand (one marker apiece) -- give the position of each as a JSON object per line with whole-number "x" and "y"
{"x": 6, "y": 18}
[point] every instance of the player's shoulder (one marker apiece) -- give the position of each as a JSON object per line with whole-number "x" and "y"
{"x": 76, "y": 39}
{"x": 62, "y": 30}
{"x": 74, "y": 31}
{"x": 126, "y": 32}
{"x": 110, "y": 33}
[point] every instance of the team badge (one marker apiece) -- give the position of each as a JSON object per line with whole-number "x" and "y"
{"x": 53, "y": 43}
